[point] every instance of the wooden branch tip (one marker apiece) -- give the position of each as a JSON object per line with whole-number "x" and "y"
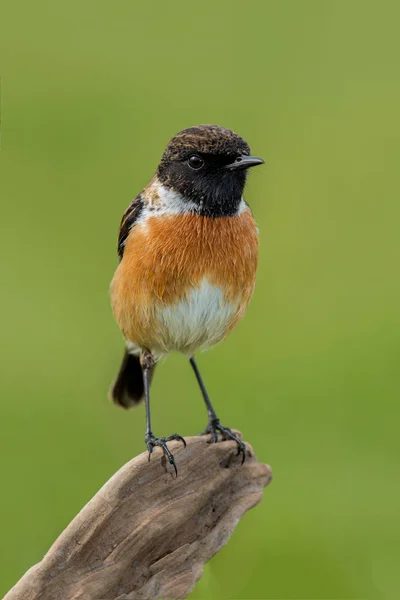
{"x": 147, "y": 534}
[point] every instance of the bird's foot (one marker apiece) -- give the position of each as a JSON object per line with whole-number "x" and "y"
{"x": 151, "y": 441}
{"x": 214, "y": 426}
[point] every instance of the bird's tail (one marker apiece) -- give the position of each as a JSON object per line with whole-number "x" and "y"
{"x": 128, "y": 388}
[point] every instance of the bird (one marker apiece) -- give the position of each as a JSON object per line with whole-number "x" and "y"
{"x": 188, "y": 253}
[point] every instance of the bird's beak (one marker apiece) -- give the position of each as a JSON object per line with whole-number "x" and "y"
{"x": 244, "y": 162}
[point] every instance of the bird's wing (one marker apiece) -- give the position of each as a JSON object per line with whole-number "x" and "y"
{"x": 129, "y": 218}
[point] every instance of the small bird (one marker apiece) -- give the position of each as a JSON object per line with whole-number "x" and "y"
{"x": 188, "y": 250}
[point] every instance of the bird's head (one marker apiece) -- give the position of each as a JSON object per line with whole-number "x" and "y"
{"x": 207, "y": 166}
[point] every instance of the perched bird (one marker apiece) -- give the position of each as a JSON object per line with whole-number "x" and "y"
{"x": 188, "y": 250}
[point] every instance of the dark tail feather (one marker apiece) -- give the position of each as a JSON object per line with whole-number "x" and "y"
{"x": 128, "y": 389}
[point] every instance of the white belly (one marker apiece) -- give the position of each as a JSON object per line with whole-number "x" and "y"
{"x": 197, "y": 322}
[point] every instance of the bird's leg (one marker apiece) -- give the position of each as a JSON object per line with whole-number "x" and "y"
{"x": 147, "y": 362}
{"x": 214, "y": 426}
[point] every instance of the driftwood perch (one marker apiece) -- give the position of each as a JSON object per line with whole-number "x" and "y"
{"x": 146, "y": 534}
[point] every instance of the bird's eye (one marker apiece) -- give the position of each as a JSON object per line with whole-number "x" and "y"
{"x": 195, "y": 162}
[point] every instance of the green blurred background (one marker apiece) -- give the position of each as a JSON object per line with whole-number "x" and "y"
{"x": 91, "y": 93}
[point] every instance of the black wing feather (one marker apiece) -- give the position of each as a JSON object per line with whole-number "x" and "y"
{"x": 129, "y": 218}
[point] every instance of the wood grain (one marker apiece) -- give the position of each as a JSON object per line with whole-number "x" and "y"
{"x": 147, "y": 534}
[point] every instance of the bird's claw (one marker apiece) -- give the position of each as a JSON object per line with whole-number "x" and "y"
{"x": 214, "y": 426}
{"x": 151, "y": 441}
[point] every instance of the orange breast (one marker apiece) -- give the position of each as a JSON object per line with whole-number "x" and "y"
{"x": 168, "y": 256}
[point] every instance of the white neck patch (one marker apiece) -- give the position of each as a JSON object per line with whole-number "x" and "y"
{"x": 173, "y": 202}
{"x": 163, "y": 200}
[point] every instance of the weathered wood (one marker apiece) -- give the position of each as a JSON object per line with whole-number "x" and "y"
{"x": 147, "y": 534}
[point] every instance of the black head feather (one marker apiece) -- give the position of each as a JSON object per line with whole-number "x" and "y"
{"x": 216, "y": 190}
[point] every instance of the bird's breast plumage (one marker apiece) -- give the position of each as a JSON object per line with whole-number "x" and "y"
{"x": 185, "y": 280}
